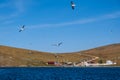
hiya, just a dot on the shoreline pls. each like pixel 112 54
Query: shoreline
pixel 65 67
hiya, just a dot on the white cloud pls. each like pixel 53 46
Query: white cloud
pixel 83 21
pixel 112 15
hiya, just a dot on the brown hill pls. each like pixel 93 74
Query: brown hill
pixel 109 52
pixel 10 56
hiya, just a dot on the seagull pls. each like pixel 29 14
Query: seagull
pixel 72 5
pixel 57 44
pixel 22 28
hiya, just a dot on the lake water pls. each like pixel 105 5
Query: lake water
pixel 60 73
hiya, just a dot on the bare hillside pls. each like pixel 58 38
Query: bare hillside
pixel 10 56
pixel 108 52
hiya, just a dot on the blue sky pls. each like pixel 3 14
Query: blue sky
pixel 91 24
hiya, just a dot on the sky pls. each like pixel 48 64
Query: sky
pixel 91 24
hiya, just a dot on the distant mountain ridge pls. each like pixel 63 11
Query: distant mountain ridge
pixel 11 56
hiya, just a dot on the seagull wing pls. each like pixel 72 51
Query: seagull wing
pixel 20 30
pixel 23 26
pixel 73 7
pixel 59 44
pixel 71 2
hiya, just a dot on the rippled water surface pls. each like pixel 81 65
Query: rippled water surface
pixel 60 73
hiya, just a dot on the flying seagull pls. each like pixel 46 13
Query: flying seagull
pixel 57 44
pixel 72 5
pixel 22 28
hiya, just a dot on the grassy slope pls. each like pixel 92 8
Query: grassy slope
pixel 10 56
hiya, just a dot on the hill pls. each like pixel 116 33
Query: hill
pixel 11 56
pixel 108 52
